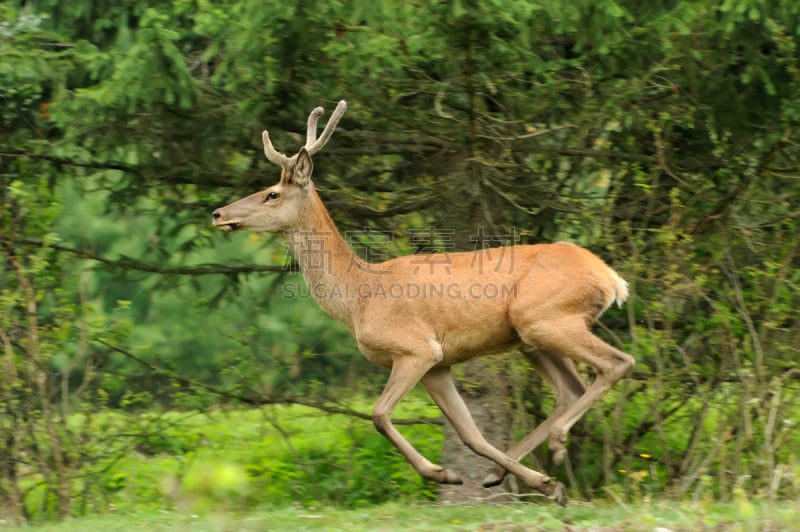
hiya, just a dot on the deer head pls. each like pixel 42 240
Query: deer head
pixel 283 206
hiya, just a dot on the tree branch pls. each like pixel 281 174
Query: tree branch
pixel 69 162
pixel 199 269
pixel 263 400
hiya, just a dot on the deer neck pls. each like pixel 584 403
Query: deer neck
pixel 329 266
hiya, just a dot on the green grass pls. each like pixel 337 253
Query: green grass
pixel 292 468
pixel 742 515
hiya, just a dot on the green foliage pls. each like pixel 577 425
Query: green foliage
pixel 279 456
pixel 663 135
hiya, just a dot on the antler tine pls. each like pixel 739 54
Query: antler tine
pixel 274 155
pixel 329 127
pixel 311 129
pixel 313 144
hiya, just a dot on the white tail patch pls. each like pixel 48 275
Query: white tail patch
pixel 619 290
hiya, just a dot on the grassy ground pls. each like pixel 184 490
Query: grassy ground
pixel 600 517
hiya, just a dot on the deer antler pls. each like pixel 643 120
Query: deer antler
pixel 329 127
pixel 311 128
pixel 313 144
pixel 274 155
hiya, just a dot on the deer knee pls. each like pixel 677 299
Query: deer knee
pixel 381 419
pixel 616 366
pixel 625 362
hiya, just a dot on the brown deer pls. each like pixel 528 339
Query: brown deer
pixel 418 317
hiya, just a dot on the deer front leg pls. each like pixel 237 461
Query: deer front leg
pixel 406 372
pixel 439 383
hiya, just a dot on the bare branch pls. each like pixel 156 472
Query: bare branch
pixel 107 165
pixel 130 264
pixel 263 400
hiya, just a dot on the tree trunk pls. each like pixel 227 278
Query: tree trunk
pixel 484 385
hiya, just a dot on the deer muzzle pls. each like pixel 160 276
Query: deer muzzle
pixel 222 222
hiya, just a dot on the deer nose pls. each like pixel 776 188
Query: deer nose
pixel 216 215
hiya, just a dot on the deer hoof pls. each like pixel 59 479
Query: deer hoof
pixel 559 456
pixel 444 476
pixel 553 488
pixel 493 479
pixel 560 494
pixel 452 478
pixel 557 446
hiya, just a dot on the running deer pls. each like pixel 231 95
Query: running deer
pixel 417 318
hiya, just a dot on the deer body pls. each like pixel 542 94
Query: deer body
pixel 418 315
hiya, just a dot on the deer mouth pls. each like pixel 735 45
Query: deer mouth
pixel 227 227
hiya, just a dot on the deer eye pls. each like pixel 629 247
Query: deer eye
pixel 271 196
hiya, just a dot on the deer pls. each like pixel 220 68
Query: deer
pixel 419 318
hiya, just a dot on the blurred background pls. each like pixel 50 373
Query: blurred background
pixel 150 361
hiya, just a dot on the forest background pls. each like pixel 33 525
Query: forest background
pixel 151 360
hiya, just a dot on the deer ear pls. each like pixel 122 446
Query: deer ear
pixel 301 171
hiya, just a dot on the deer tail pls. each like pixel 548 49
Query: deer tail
pixel 619 289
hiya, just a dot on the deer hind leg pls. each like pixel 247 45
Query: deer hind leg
pixel 570 337
pixel 563 378
pixel 406 372
pixel 439 383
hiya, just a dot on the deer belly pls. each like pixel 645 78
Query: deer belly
pixel 461 344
